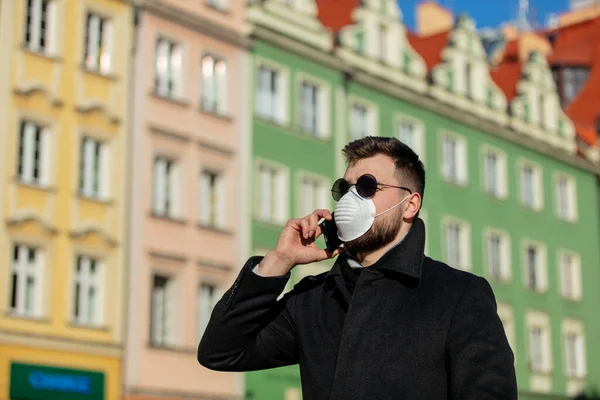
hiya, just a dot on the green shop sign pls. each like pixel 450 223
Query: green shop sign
pixel 37 382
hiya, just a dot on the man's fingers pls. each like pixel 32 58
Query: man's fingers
pixel 324 254
pixel 322 213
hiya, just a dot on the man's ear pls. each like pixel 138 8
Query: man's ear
pixel 413 206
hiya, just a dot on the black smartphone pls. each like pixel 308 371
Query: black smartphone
pixel 332 242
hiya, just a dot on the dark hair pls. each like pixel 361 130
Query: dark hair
pixel 410 170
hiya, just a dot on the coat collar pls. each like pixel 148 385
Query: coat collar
pixel 404 259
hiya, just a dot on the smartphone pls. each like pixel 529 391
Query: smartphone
pixel 330 234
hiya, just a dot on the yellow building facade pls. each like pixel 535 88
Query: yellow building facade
pixel 63 128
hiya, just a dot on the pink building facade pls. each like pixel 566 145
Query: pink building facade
pixel 186 235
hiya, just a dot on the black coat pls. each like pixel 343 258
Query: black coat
pixel 411 328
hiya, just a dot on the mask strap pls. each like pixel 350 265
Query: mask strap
pixel 391 208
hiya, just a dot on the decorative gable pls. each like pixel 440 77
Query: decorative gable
pixel 536 108
pixel 376 43
pixel 463 77
pixel 296 19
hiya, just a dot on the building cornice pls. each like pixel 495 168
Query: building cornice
pixel 419 99
pixel 195 22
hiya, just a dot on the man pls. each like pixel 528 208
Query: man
pixel 386 322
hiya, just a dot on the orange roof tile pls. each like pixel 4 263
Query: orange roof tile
pixel 429 47
pixel 335 14
pixel 574 44
pixel 508 72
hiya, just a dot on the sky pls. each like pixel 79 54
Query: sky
pixel 488 13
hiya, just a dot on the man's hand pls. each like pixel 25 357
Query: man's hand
pixel 296 245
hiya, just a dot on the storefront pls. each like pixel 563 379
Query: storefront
pixel 44 382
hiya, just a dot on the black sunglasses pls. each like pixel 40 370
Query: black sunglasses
pixel 366 186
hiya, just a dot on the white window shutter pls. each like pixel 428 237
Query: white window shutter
pixel 204 199
pixel 222 89
pixel 159 186
pixel 46 157
pixel 171 313
pixel 581 357
pixel 157 313
pixel 221 199
pixel 563 275
pixel 281 97
pixel 208 82
pixel 538 190
pixel 261 91
pixel 266 196
pixel 502 178
pixel 572 200
pixel 39 283
pixel 36 25
pixel 28 152
pixel 283 195
pixel 176 198
pixel 107 47
pixel 323 196
pixel 324 112
pixel 88 166
pixel 543 268
pixel 105 168
pixel 162 66
pixel 51 27
pixel 92 42
pixel 461 161
pixel 177 70
pixel 576 278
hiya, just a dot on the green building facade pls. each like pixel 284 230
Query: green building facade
pixel 506 195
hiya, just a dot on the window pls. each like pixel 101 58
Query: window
pixel 93 174
pixel 573 79
pixel 531 186
pixel 40 25
pixel 570 276
pixel 457 246
pixel 535 269
pixel 26 284
pixel 566 198
pixel 314 195
pixel 98 43
pixel 538 342
pixel 161 319
pixel 214 85
pixel 314 109
pixel 498 256
pixel 212 199
pixel 410 133
pixel 361 122
pixel 34 154
pixel 272 194
pixel 88 292
pixel 169 69
pixel 207 299
pixel 538 349
pixel 454 159
pixel 165 185
pixel 574 349
pixel 270 92
pixel 494 169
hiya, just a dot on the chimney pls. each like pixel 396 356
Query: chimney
pixel 432 18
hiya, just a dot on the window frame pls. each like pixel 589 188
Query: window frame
pixel 467 247
pixel 419 132
pixel 462 168
pixel 283 173
pixel 502 191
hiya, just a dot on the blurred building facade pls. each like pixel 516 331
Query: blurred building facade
pixel 189 119
pixel 507 169
pixel 63 197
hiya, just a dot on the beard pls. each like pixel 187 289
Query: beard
pixel 382 233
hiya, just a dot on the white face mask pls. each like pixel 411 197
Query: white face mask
pixel 354 215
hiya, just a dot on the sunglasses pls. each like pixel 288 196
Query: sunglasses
pixel 366 186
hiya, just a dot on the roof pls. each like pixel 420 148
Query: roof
pixel 508 72
pixel 578 45
pixel 584 110
pixel 335 14
pixel 574 44
pixel 429 47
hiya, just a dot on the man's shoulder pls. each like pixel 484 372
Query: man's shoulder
pixel 310 283
pixel 438 271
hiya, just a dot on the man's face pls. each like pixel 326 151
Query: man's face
pixel 386 226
